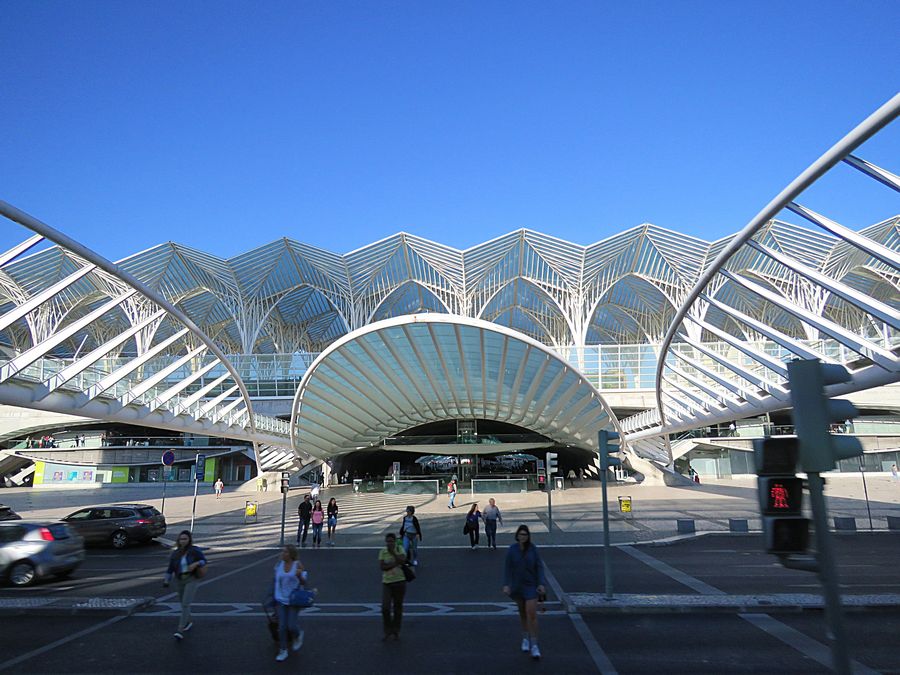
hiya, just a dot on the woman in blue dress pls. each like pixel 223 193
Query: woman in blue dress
pixel 524 582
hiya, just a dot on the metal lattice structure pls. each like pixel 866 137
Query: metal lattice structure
pixel 831 294
pixel 198 391
pixel 404 372
pixel 723 315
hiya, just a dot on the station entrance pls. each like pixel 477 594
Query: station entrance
pixel 477 453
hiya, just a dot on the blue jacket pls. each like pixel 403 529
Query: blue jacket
pixel 523 569
pixel 193 555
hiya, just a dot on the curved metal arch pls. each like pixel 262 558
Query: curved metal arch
pixel 732 286
pixel 97 261
pixel 389 405
pixel 402 286
pixel 609 289
pixel 886 369
pixel 531 283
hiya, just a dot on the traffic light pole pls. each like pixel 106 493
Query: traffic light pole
pixel 549 508
pixel 828 576
pixel 607 563
pixel 283 514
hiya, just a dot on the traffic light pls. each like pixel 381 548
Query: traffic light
pixel 814 414
pixel 608 444
pixel 551 464
pixel 285 482
pixel 781 495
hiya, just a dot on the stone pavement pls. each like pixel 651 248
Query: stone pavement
pixel 364 518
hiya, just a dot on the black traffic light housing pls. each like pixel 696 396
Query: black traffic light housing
pixel 781 495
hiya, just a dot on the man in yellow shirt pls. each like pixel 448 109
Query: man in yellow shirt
pixel 393 585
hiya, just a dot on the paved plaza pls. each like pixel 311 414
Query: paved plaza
pixel 713 603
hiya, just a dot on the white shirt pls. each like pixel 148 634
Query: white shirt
pixel 285 582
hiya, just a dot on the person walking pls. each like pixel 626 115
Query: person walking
pixel 305 513
pixel 314 491
pixel 472 526
pixel 218 486
pixel 451 491
pixel 491 517
pixel 187 565
pixel 524 582
pixel 411 535
pixel 318 518
pixel 894 475
pixel 289 575
pixel 331 513
pixel 393 586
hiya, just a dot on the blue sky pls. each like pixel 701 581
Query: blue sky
pixel 226 125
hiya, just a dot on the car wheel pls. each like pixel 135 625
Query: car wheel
pixel 21 573
pixel 119 539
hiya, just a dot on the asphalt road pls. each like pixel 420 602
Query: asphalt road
pixel 457 620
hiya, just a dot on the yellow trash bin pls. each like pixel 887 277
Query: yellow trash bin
pixel 250 510
pixel 625 504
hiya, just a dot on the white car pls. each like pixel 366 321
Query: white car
pixel 33 550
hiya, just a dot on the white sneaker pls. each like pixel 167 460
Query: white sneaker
pixel 282 655
pixel 298 642
pixel 526 644
pixel 535 652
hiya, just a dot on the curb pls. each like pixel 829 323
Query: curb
pixel 596 603
pixel 54 606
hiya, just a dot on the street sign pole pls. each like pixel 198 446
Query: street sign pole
pixel 168 459
pixel 163 507
pixel 199 467
pixel 194 506
pixel 285 487
pixel 607 567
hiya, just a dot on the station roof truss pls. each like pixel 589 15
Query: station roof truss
pixel 407 371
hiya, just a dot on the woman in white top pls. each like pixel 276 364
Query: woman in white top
pixel 289 575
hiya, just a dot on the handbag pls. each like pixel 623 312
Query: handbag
pixel 302 597
pixel 466 528
pixel 408 572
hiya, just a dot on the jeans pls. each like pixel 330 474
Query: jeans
pixel 287 623
pixel 187 587
pixel 473 535
pixel 392 595
pixel 411 546
pixel 302 529
pixel 317 533
pixel 452 499
pixel 490 529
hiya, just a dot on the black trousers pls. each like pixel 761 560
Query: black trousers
pixel 473 536
pixel 392 598
pixel 302 530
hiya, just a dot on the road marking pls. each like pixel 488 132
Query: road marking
pixel 113 620
pixel 599 657
pixel 59 643
pixel 800 641
pixel 790 636
pixel 681 577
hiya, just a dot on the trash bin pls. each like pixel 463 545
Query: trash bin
pixel 625 504
pixel 250 511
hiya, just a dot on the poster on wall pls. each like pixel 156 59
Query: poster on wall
pixel 87 476
pixel 57 475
